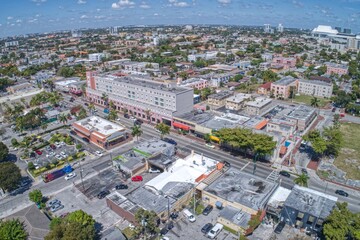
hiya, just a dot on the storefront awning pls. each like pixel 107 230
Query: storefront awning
pixel 181 126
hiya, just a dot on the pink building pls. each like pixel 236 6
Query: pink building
pixel 284 62
pixel 281 88
pixel 334 68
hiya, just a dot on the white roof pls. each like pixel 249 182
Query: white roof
pixel 100 125
pixel 279 196
pixel 325 29
pixel 184 170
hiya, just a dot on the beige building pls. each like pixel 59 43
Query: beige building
pixel 283 126
pixel 257 106
pixel 237 101
pixel 302 116
pixel 282 87
pixel 219 99
pixel 315 88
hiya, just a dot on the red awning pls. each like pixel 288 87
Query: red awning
pixel 182 126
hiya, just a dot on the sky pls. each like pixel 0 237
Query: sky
pixel 38 16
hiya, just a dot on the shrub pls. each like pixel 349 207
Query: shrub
pixel 70 158
pixel 31 166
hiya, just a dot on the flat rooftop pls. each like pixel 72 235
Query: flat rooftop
pixel 238 98
pixel 259 102
pixel 236 216
pixel 218 123
pixel 131 159
pixel 336 65
pixel 123 202
pixel 301 112
pixel 197 117
pixel 315 82
pixel 154 146
pixel 220 95
pixel 285 81
pixel 143 82
pixel 310 201
pixel 101 125
pixel 243 188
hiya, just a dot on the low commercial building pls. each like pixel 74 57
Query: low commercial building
pixel 315 88
pixel 197 83
pixel 307 209
pixel 237 101
pixel 19 88
pixel 70 85
pixel 282 87
pixel 101 132
pixel 257 106
pixel 219 99
pixel 281 125
pixel 302 116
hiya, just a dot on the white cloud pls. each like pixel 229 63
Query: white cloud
pixel 0 24
pixel 32 20
pixel 19 21
pixel 224 2
pixel 84 16
pixel 99 17
pixel 176 3
pixel 144 5
pixel 123 4
pixel 81 2
pixel 9 17
pixel 38 1
pixel 156 14
pixel 37 15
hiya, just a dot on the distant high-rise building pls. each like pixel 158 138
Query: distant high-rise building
pixel 156 41
pixel 347 30
pixel 267 28
pixel 280 28
pixel 188 27
pixel 113 30
pixel 76 34
pixel 338 29
pixel 12 44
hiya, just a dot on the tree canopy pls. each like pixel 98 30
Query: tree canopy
pixel 35 196
pixel 163 129
pixel 4 151
pixel 9 176
pixel 146 222
pixel 246 141
pixel 12 230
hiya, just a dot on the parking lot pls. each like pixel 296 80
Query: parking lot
pixel 107 180
pixel 49 155
pixel 183 229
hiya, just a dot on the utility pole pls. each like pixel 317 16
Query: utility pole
pixel 254 161
pixel 81 176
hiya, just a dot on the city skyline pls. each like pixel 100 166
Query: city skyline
pixel 38 16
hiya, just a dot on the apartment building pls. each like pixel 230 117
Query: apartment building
pixel 219 99
pixel 334 68
pixel 237 101
pixel 96 57
pixel 198 83
pixel 143 98
pixel 284 62
pixel 281 88
pixel 315 88
pixel 257 106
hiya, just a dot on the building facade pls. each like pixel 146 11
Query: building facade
pixel 282 87
pixel 142 98
pixel 257 106
pixel 315 88
pixel 334 68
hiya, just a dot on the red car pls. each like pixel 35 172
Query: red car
pixel 38 152
pixel 136 178
pixel 53 146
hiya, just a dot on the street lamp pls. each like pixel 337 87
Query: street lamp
pixel 254 161
pixel 81 176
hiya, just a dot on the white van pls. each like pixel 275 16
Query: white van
pixel 189 215
pixel 215 230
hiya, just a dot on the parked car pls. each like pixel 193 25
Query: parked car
pixel 164 231
pixel 53 202
pixel 207 210
pixel 174 215
pixel 32 155
pixel 62 153
pixel 279 227
pixel 98 153
pixel 206 228
pixel 138 122
pixel 86 104
pixel 284 173
pixel 334 109
pixel 103 194
pixel 126 116
pixel 304 171
pixel 70 176
pixel 215 230
pixel 137 178
pixel 209 145
pixel 121 186
pixel 53 147
pixel 58 157
pixel 169 140
pixel 227 164
pixel 62 143
pixel 56 207
pixel 57 144
pixel 342 193
pixel 170 225
pixel 133 118
pixel 38 152
pixel 48 148
pixel 189 215
pixel 154 170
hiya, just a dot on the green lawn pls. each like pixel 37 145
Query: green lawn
pixel 307 100
pixel 349 157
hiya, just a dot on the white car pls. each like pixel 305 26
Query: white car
pixel 98 153
pixel 59 157
pixel 215 230
pixel 63 154
pixel 133 118
pixel 70 176
pixel 210 145
pixel 62 143
pixel 154 170
pixel 57 144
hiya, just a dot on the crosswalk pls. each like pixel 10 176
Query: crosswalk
pixel 273 176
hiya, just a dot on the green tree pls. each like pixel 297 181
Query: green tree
pixel 342 224
pixel 302 180
pixel 82 114
pixel 146 222
pixel 315 102
pixel 12 230
pixel 35 196
pixel 4 151
pixel 91 108
pixel 62 118
pixel 112 115
pixel 205 92
pixel 105 98
pixel 14 142
pixel 31 166
pixel 163 129
pixel 55 98
pixel 9 176
pixel 136 132
pixel 44 126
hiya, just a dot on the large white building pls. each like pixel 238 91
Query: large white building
pixel 315 88
pixel 143 98
pixel 96 57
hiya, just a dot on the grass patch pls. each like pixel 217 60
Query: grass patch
pixel 129 233
pixel 323 174
pixel 199 209
pixel 226 228
pixel 349 156
pixel 141 152
pixel 307 100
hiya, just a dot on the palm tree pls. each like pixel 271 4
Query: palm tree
pixel 163 129
pixel 302 180
pixel 112 105
pixel 136 132
pixel 91 108
pixel 23 101
pixel 82 114
pixel 315 102
pixel 50 84
pixel 62 118
pixel 44 126
pixel 55 98
pixel 112 115
pixel 148 114
pixel 105 98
